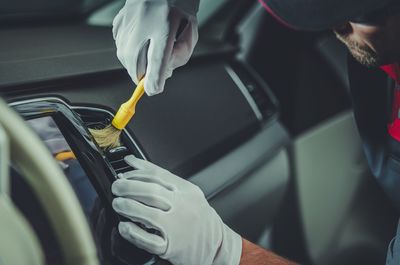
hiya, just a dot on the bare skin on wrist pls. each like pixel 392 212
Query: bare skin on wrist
pixel 253 254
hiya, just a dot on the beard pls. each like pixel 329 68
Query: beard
pixel 363 54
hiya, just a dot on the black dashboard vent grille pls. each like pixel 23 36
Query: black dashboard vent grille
pixel 95 118
pixel 116 158
pixel 258 90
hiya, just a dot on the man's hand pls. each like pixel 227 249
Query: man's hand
pixel 153 37
pixel 191 232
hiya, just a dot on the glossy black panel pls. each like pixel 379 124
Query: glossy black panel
pixel 112 249
pixel 54 140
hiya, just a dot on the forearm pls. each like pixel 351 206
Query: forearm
pixel 253 254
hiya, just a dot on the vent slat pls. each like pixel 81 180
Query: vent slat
pixel 116 158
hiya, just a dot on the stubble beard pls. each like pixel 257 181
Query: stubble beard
pixel 363 54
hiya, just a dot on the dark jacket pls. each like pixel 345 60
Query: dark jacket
pixel 372 93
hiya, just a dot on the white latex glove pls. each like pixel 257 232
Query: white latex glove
pixel 191 232
pixel 145 33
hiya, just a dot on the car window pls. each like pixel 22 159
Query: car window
pixel 105 15
pixel 103 11
pixel 20 10
pixel 208 8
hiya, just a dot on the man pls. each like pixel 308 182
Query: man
pixel 191 232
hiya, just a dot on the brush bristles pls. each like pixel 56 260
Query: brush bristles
pixel 108 137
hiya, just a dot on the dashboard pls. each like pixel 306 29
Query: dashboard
pixel 216 125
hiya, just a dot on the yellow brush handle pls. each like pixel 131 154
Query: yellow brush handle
pixel 127 110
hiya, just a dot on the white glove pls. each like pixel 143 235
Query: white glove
pixel 145 33
pixel 191 232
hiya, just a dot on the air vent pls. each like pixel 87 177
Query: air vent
pixel 98 118
pixel 257 89
pixel 116 158
pixel 260 98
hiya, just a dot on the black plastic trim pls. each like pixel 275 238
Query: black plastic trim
pixel 114 249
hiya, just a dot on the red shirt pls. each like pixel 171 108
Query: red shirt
pixel 393 70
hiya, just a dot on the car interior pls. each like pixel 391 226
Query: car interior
pixel 260 119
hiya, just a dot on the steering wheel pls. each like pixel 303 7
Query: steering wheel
pixel 50 186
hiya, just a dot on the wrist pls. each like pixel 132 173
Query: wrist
pixel 253 254
pixel 230 250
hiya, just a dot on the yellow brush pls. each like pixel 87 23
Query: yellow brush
pixel 109 136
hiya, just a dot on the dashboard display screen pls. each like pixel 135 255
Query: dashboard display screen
pixel 48 131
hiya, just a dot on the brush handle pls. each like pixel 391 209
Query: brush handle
pixel 127 110
pixel 137 94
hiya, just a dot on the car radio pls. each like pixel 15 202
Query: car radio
pixel 90 171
